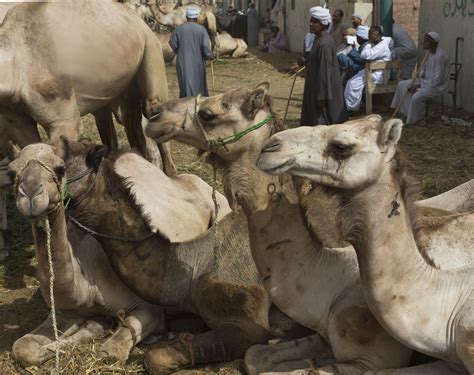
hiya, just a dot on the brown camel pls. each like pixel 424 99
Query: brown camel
pixel 317 286
pixel 212 276
pixel 86 288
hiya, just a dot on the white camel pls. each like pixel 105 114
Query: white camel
pixel 428 308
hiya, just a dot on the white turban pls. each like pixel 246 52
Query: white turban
pixel 192 12
pixel 363 32
pixel 321 14
pixel 434 36
pixel 357 15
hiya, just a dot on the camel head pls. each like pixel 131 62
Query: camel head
pixel 347 156
pixel 38 171
pixel 196 121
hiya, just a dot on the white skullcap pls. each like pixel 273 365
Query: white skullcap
pixel 434 36
pixel 363 32
pixel 321 14
pixel 357 15
pixel 192 12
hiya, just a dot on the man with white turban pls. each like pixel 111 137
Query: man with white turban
pixel 377 49
pixel 323 101
pixel 433 81
pixel 191 44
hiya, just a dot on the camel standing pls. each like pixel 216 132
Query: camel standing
pixel 212 276
pixel 86 288
pixel 427 308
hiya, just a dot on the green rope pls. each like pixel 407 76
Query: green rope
pixel 235 137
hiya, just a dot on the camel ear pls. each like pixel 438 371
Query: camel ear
pixel 96 155
pixel 62 148
pixel 264 86
pixel 373 118
pixel 254 102
pixel 13 150
pixel 390 133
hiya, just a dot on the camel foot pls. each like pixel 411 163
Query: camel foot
pixel 171 355
pixel 118 346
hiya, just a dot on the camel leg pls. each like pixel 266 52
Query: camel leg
pixel 263 358
pixel 105 125
pixel 138 325
pixel 22 130
pixel 169 167
pixel 32 348
pixel 239 51
pixel 3 223
pixel 225 343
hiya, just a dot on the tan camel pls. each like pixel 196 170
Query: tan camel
pixel 86 288
pixel 177 16
pixel 55 68
pixel 212 276
pixel 316 286
pixel 427 308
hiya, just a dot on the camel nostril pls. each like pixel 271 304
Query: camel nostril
pixel 271 147
pixel 29 193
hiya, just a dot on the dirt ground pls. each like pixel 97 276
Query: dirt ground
pixel 443 156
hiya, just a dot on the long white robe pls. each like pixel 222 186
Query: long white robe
pixel 355 86
pixel 434 79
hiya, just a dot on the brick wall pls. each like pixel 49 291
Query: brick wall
pixel 406 13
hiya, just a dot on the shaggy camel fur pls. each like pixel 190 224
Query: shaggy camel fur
pixel 297 271
pixel 86 288
pixel 427 308
pixel 212 276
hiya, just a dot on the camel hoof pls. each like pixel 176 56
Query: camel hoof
pixel 170 356
pixel 114 350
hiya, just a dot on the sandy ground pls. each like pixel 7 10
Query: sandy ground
pixel 443 157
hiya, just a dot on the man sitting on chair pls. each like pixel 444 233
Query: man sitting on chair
pixel 377 49
pixel 433 81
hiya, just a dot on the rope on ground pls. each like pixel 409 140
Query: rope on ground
pixel 412 82
pixel 47 229
pixel 291 92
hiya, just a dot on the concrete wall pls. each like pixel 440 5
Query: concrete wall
pixel 452 19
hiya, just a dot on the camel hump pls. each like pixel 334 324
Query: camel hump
pixel 170 206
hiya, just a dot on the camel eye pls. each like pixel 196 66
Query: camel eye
pixel 340 150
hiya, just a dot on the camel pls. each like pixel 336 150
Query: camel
pixel 212 276
pixel 177 16
pixel 297 271
pixel 86 288
pixel 427 308
pixel 52 76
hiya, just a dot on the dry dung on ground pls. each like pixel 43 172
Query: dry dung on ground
pixel 443 157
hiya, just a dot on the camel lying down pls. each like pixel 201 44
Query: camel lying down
pixel 414 293
pixel 86 288
pixel 315 285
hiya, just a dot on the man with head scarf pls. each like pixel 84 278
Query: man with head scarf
pixel 323 101
pixel 433 81
pixel 378 48
pixel 351 63
pixel 191 44
pixel 356 20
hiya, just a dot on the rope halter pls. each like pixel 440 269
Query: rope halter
pixel 212 144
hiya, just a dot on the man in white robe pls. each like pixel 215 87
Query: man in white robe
pixel 377 49
pixel 433 81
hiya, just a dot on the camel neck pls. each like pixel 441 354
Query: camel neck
pixel 397 279
pixel 60 249
pixel 295 270
pixel 7 72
